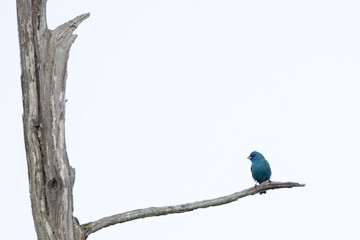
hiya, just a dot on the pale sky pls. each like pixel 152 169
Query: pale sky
pixel 166 100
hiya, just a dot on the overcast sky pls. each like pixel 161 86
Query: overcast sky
pixel 166 100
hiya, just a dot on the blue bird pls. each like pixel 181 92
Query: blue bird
pixel 260 168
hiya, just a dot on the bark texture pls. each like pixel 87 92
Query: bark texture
pixel 44 55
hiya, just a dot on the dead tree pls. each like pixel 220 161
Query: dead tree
pixel 44 55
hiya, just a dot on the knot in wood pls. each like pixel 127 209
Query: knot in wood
pixel 52 184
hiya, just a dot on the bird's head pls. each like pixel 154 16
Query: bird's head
pixel 255 155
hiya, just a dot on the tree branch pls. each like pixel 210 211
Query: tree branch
pixel 65 30
pixel 158 211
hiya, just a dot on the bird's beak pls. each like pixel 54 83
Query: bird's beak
pixel 249 158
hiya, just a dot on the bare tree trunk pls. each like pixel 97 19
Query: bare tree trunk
pixel 44 56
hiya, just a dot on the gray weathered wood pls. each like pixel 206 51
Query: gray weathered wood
pixel 44 55
pixel 158 211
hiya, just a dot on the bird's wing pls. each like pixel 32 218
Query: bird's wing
pixel 268 169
